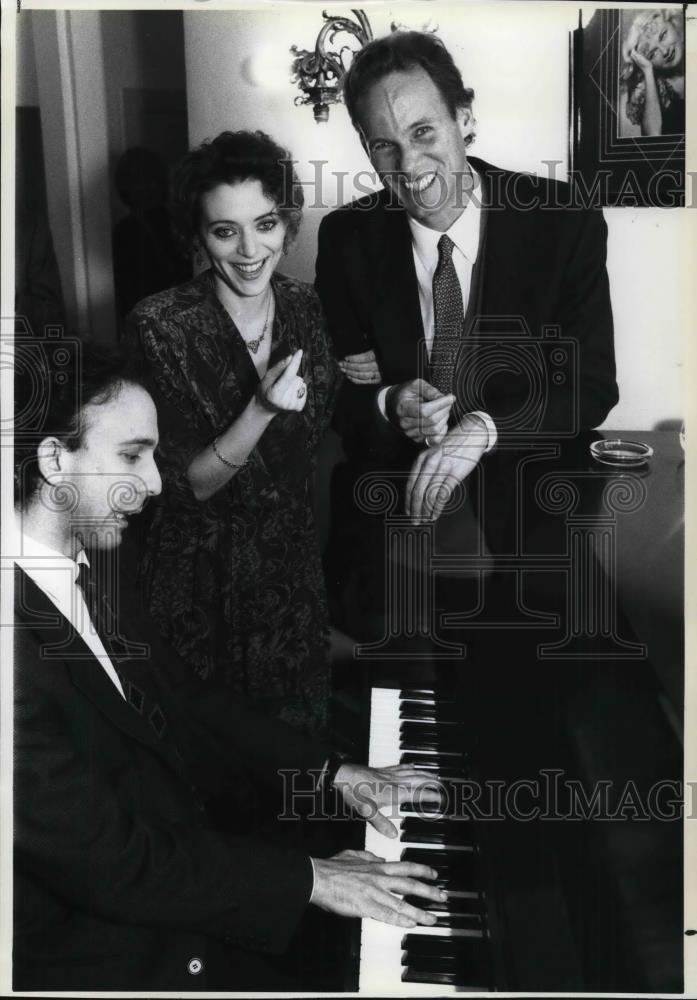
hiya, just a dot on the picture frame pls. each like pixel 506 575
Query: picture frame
pixel 627 108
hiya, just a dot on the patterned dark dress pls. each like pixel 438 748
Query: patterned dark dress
pixel 235 582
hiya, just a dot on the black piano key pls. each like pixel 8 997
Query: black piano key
pixel 422 729
pixel 424 963
pixel 436 831
pixel 422 808
pixel 470 908
pixel 443 979
pixel 435 745
pixel 464 960
pixel 425 694
pixel 432 713
pixel 428 718
pixel 451 760
pixel 439 858
pixel 454 875
pixel 472 951
pixel 460 921
pixel 449 803
pixel 475 921
pixel 432 944
pixel 453 962
pixel 422 736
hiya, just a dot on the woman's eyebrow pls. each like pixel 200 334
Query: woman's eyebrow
pixel 231 222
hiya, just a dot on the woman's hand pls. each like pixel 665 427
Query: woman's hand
pixel 640 60
pixel 282 389
pixel 362 369
pixel 652 116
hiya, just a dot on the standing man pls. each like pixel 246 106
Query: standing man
pixel 121 879
pixel 446 281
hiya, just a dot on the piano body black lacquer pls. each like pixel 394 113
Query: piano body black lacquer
pixel 570 674
pixel 547 907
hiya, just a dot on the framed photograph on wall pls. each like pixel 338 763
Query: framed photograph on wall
pixel 627 107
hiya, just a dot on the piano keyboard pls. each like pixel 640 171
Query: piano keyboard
pixel 416 727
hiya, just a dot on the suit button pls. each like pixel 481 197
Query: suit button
pixel 195 966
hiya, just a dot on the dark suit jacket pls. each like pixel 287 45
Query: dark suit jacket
pixel 120 881
pixel 541 266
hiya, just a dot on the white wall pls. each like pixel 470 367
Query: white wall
pixel 516 58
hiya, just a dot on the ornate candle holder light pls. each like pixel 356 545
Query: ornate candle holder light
pixel 319 74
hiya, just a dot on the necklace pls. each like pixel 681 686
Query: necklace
pixel 254 345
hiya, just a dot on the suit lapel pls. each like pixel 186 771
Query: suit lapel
pixel 61 645
pixel 506 280
pixel 398 326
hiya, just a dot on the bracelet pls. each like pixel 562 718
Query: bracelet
pixel 230 465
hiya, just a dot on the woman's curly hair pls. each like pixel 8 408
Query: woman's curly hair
pixel 230 158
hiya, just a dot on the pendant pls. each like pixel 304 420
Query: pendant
pixel 253 345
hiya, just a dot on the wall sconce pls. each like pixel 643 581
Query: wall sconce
pixel 319 74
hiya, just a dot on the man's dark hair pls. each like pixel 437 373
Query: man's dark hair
pixel 397 53
pixel 230 158
pixel 50 399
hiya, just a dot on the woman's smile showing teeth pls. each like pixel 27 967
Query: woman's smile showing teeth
pixel 249 271
pixel 243 233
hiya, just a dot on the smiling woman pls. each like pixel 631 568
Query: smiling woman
pixel 238 364
pixel 653 72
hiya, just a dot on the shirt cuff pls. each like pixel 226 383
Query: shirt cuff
pixel 484 417
pixel 382 396
pixel 490 427
pixel 312 891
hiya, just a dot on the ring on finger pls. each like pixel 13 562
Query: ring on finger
pixel 301 391
pixel 427 442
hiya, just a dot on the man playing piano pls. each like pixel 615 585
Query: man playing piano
pixel 121 881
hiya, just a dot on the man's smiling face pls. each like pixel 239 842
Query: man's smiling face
pixel 416 145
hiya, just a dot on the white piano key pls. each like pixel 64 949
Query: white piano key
pixel 380 968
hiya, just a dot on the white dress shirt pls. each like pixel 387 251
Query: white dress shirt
pixel 465 234
pixel 56 575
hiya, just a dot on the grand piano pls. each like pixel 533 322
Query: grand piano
pixel 555 734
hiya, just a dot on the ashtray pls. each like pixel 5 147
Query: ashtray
pixel 621 454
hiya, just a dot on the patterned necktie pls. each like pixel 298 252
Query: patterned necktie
pixel 448 317
pixel 104 621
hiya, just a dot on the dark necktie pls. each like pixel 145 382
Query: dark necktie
pixel 139 693
pixel 448 315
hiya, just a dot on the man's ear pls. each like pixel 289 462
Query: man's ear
pixel 467 124
pixel 49 456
